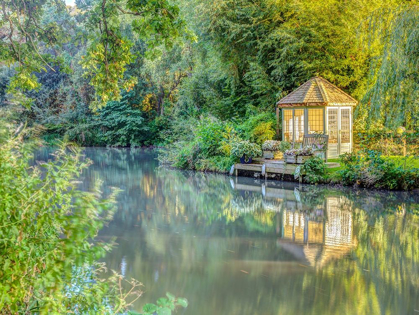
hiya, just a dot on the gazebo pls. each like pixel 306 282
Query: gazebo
pixel 318 107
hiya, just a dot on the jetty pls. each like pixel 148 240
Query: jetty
pixel 269 167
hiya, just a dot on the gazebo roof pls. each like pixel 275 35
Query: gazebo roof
pixel 317 92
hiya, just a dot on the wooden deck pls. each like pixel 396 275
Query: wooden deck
pixel 266 167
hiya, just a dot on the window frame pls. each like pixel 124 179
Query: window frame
pixel 305 108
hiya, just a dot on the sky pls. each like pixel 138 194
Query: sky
pixel 69 2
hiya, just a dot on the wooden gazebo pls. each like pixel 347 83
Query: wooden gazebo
pixel 318 107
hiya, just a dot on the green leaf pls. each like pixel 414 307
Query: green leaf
pixel 182 302
pixel 170 296
pixel 150 308
pixel 162 302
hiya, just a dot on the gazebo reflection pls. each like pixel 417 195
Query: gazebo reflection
pixel 314 228
pixel 318 241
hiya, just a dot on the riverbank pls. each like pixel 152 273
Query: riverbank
pixel 366 169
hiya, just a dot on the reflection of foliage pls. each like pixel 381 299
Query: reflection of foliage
pixel 176 223
pixel 246 203
pixel 260 221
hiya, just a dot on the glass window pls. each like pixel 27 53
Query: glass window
pixel 299 125
pixel 333 125
pixel 287 124
pixel 345 125
pixel 315 120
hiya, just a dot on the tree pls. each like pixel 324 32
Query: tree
pixel 108 53
pixel 392 94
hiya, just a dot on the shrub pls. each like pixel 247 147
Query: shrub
pixel 206 148
pixel 215 164
pixel 263 131
pixel 314 171
pixel 370 169
pixel 258 128
pixel 47 256
pixel 245 147
pixel 121 123
pixel 284 146
pixel 209 135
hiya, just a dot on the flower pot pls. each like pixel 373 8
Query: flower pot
pixel 245 160
pixel 290 159
pixel 268 154
pixel 302 159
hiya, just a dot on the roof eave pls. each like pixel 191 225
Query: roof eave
pixel 301 104
pixel 281 105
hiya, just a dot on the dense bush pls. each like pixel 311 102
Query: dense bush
pixel 313 171
pixel 371 170
pixel 258 128
pixel 206 147
pixel 121 124
pixel 245 148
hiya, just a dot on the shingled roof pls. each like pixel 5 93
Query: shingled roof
pixel 317 92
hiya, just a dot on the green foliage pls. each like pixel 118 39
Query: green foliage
pixel 47 254
pixel 285 145
pixel 206 147
pixel 245 148
pixel 109 52
pixel 246 54
pixel 25 41
pixel 258 128
pixel 163 306
pixel 392 92
pixel 314 171
pixel 210 134
pixel 388 141
pixel 371 170
pixel 121 123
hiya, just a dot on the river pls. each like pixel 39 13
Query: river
pixel 249 247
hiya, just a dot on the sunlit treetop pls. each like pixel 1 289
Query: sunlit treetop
pixel 26 37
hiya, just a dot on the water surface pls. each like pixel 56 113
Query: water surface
pixel 249 247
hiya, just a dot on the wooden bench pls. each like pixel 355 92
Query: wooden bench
pixel 317 140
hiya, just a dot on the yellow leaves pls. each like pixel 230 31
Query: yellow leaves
pixel 148 102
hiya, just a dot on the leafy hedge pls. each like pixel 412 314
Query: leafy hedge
pixel 371 170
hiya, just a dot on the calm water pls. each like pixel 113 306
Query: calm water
pixel 243 247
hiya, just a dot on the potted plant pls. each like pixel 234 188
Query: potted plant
pixel 290 156
pixel 245 151
pixel 270 148
pixel 298 156
pixel 304 154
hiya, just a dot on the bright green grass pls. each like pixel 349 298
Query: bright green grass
pixel 410 162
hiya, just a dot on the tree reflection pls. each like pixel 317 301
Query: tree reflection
pixel 243 247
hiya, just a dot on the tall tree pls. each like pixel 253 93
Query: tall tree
pixel 109 52
pixel 392 96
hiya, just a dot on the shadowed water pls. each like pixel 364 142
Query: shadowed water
pixel 248 247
